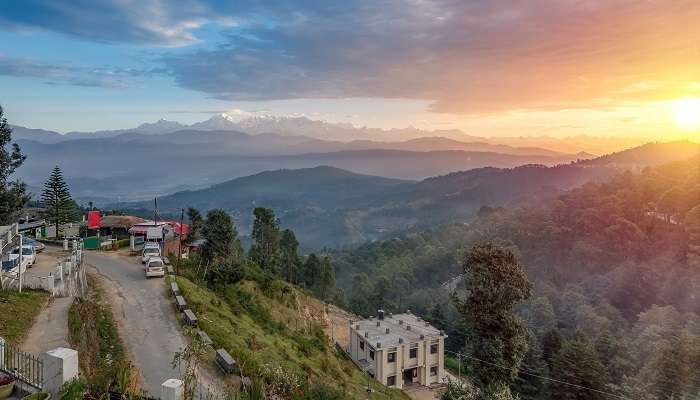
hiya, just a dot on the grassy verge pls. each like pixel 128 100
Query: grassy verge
pixel 27 304
pixel 104 363
pixel 275 344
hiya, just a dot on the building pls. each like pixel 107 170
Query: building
pixel 398 350
pixel 118 225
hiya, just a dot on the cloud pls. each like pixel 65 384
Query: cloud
pixel 144 22
pixel 462 56
pixel 105 76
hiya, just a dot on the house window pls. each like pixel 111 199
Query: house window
pixel 371 354
pixel 391 380
pixel 362 344
pixel 413 353
pixel 433 370
pixel 391 357
pixel 433 348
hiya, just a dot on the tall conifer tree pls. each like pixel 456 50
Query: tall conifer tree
pixel 60 207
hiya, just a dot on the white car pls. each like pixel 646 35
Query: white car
pixel 28 255
pixel 155 267
pixel 149 252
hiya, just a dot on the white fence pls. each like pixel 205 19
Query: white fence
pixel 67 280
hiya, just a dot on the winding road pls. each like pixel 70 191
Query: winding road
pixel 147 321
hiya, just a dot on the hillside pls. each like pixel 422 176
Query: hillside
pixel 649 154
pixel 280 338
pixel 615 265
pixel 138 166
pixel 330 207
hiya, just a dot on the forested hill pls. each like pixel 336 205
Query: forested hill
pixel 616 268
pixel 331 207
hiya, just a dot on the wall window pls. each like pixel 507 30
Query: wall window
pixel 413 353
pixel 433 370
pixel 434 348
pixel 371 354
pixel 362 344
pixel 391 380
pixel 391 357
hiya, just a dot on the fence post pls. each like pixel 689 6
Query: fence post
pixel 172 389
pixel 51 284
pixel 2 353
pixel 60 366
pixel 60 268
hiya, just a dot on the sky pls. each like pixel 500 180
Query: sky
pixel 490 68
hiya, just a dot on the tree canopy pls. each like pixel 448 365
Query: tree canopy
pixel 56 198
pixel 13 194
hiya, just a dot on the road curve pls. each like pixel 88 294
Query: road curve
pixel 147 321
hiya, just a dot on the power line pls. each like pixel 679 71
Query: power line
pixel 544 377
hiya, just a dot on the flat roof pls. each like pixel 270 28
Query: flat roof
pixel 397 325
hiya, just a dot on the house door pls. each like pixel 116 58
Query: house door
pixel 409 376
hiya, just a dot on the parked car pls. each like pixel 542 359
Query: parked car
pixel 28 255
pixel 38 246
pixel 155 267
pixel 149 252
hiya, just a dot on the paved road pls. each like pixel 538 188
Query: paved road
pixel 147 321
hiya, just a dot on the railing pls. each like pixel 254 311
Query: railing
pixel 25 367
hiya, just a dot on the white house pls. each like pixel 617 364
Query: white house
pixel 398 350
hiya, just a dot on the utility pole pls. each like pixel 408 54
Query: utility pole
pixel 20 263
pixel 179 247
pixel 459 367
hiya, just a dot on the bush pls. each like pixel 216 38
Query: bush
pixel 321 392
pixel 121 243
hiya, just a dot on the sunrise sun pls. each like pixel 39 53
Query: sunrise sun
pixel 686 113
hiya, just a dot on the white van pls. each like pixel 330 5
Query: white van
pixel 155 267
pixel 148 252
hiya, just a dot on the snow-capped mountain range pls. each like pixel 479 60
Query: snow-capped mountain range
pixel 302 127
pixel 251 124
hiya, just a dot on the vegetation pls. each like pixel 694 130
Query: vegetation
pixel 104 364
pixel 278 341
pixel 221 237
pixel 60 207
pixel 497 339
pixel 196 224
pixel 616 273
pixel 13 194
pixel 29 304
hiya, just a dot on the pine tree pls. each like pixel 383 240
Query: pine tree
pixel 266 240
pixel 13 195
pixel 437 317
pixel 60 207
pixel 676 375
pixel 196 224
pixel 551 343
pixel 326 279
pixel 577 363
pixel 289 257
pixel 221 237
pixel 311 271
pixel 495 282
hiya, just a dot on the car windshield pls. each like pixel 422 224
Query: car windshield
pixel 155 264
pixel 27 252
pixel 151 251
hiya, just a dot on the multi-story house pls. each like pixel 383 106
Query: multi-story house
pixel 398 350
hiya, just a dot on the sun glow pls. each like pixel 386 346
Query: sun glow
pixel 686 114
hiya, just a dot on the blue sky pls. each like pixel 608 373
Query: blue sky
pixel 501 67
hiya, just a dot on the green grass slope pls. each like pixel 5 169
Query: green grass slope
pixel 275 335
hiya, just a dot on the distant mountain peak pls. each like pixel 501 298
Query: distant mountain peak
pixel 159 127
